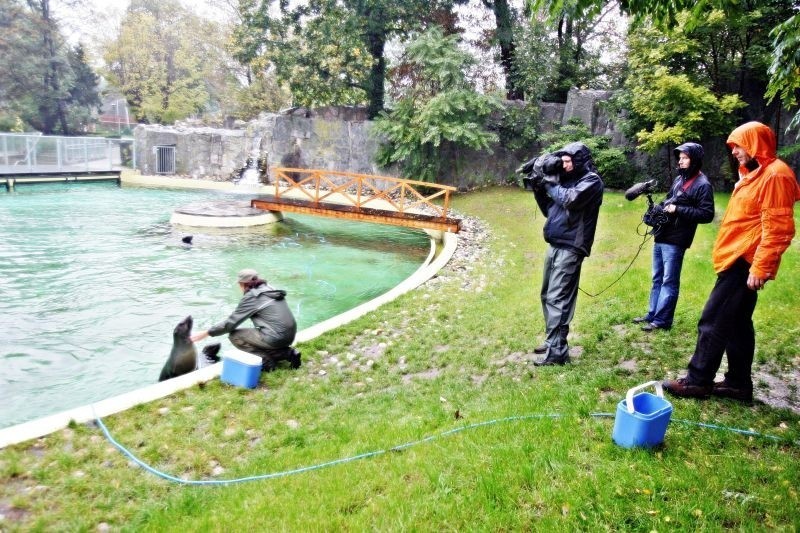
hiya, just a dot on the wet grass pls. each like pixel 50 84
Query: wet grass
pixel 452 355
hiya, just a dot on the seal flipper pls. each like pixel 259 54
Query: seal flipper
pixel 211 353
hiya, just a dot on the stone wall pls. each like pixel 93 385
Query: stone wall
pixel 340 138
pixel 333 138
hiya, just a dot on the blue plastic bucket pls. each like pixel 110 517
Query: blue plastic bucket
pixel 241 369
pixel 642 419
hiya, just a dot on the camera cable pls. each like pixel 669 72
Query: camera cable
pixel 646 237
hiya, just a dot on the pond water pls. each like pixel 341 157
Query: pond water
pixel 93 279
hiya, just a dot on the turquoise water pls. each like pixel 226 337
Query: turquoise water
pixel 94 278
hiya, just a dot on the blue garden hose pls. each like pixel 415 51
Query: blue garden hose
pixel 400 447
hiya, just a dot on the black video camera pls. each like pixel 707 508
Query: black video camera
pixel 655 216
pixel 537 168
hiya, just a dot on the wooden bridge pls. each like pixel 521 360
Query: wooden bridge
pixel 346 195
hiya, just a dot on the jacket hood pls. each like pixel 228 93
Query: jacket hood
pixel 272 292
pixel 757 139
pixel 581 158
pixel 695 153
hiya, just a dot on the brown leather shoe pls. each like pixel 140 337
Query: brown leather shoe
pixel 681 387
pixel 542 348
pixel 724 390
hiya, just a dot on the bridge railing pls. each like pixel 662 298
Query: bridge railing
pixel 363 190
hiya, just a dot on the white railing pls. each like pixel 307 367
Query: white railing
pixel 36 153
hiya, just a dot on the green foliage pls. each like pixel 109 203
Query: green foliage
pixel 534 64
pixel 439 108
pixel 678 110
pixel 163 60
pixel 576 38
pixel 784 70
pixel 518 127
pixel 264 93
pixel 46 85
pixel 756 20
pixel 675 90
pixel 329 52
pixel 612 163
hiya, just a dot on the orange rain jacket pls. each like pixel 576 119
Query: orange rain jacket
pixel 758 224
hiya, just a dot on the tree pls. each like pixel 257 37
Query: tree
pixel 677 92
pixel 21 64
pixel 785 32
pixel 438 108
pixel 784 70
pixel 505 35
pixel 162 60
pixel 331 51
pixel 577 63
pixel 84 96
pixel 46 85
pixel 675 110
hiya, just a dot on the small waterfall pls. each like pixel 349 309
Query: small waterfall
pixel 250 174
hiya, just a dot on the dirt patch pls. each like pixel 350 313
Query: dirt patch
pixel 779 390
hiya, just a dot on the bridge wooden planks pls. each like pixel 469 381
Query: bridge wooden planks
pixel 350 212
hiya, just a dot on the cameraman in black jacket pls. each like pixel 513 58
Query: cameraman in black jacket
pixel 690 202
pixel 569 195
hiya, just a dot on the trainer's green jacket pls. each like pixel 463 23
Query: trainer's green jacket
pixel 270 313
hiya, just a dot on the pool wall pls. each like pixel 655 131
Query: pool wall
pixel 437 258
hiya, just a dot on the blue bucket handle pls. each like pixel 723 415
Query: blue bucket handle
pixel 629 396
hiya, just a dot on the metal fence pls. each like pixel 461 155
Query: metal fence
pixel 27 153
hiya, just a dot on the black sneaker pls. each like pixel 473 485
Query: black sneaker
pixel 724 389
pixel 542 348
pixel 640 319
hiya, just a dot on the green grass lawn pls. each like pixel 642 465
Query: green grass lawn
pixel 451 355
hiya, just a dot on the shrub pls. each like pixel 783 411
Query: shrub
pixel 612 162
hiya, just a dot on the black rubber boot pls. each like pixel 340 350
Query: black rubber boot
pixel 294 359
pixel 548 361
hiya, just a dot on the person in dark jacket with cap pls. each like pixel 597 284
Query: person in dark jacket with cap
pixel 690 202
pixel 571 202
pixel 275 326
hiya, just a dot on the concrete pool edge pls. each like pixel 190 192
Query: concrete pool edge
pixel 82 414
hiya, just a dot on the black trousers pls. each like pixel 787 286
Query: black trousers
pixel 251 340
pixel 726 327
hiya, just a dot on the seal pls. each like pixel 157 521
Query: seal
pixel 183 357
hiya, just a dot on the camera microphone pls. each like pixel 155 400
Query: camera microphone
pixel 640 188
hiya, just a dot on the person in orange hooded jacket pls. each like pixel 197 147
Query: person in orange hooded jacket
pixel 756 229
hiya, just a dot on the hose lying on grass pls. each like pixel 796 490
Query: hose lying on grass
pixel 400 447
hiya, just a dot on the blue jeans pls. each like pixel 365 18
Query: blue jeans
pixel 667 263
